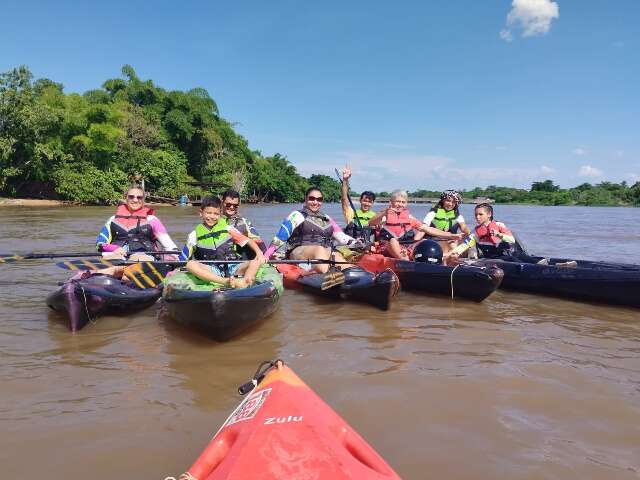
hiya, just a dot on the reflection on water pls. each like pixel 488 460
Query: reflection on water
pixel 517 386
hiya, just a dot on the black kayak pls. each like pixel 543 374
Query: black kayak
pixel 218 312
pixel 613 283
pixel 470 281
pixel 359 285
pixel 87 295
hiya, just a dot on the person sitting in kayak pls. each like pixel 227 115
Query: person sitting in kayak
pixel 355 221
pixel 309 233
pixel 446 216
pixel 214 239
pixel 231 212
pixel 492 238
pixel 134 228
pixel 398 226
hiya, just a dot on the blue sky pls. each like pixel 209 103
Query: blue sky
pixel 413 94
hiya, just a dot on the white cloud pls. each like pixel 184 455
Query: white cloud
pixel 547 170
pixel 633 178
pixel 589 171
pixel 579 151
pixel 533 17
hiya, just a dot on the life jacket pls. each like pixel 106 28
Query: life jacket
pixel 361 230
pixel 397 225
pixel 215 243
pixel 445 220
pixel 315 230
pixel 132 229
pixel 244 227
pixel 491 246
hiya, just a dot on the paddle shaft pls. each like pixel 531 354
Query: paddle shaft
pixel 231 262
pixel 32 256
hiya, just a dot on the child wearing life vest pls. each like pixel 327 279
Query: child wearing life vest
pixel 446 216
pixel 214 239
pixel 396 224
pixel 358 220
pixel 490 237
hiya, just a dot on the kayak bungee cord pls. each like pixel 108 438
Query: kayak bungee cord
pixel 454 269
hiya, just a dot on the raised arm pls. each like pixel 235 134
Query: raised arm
pixel 347 211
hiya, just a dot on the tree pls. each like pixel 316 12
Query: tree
pixel 546 186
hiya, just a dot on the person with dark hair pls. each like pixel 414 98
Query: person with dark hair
pixel 492 238
pixel 215 239
pixel 358 219
pixel 446 216
pixel 134 228
pixel 309 233
pixel 231 211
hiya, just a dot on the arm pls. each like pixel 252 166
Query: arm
pixel 379 218
pixel 468 242
pixel 288 225
pixel 504 233
pixel 161 236
pixel 103 242
pixel 347 211
pixel 338 235
pixel 463 226
pixel 189 247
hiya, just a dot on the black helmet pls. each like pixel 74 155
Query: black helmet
pixel 428 251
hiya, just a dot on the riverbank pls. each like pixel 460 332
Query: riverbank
pixel 31 202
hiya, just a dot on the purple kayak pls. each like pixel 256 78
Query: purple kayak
pixel 87 295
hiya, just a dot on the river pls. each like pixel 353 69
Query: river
pixel 519 386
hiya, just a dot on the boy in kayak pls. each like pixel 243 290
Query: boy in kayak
pixel 492 238
pixel 214 239
pixel 446 216
pixel 398 226
pixel 231 212
pixel 355 221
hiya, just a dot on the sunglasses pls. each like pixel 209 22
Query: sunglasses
pixel 135 197
pixel 311 198
pixel 231 205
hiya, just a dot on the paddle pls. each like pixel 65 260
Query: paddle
pixel 13 257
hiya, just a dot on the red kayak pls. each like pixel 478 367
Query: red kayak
pixel 283 430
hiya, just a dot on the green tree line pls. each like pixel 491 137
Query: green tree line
pixel 547 193
pixel 87 147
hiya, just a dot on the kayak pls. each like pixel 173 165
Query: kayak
pixel 603 282
pixel 87 295
pixel 374 289
pixel 283 430
pixel 221 312
pixel 467 280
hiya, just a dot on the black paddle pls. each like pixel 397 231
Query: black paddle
pixel 14 257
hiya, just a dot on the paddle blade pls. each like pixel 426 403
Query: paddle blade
pixel 332 279
pixel 147 274
pixel 88 264
pixel 9 257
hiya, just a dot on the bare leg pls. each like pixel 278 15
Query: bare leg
pixel 395 250
pixel 318 252
pixel 203 272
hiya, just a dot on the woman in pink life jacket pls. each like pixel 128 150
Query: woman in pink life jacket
pixel 134 228
pixel 397 224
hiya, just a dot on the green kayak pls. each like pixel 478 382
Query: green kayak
pixel 218 311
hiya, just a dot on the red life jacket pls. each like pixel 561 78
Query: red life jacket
pixel 133 229
pixel 484 235
pixel 398 224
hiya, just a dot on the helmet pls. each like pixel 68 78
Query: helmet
pixel 428 251
pixel 451 194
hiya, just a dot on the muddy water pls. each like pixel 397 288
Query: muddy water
pixel 518 387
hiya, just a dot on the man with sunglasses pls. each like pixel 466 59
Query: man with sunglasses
pixel 134 228
pixel 231 212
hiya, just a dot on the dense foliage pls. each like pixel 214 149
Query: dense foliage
pixel 547 193
pixel 87 147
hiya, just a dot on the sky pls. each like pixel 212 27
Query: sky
pixel 411 94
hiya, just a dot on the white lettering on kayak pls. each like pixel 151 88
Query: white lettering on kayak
pixel 290 418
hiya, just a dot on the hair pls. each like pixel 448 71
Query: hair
pixel 214 202
pixel 399 193
pixel 487 208
pixel 369 194
pixel 440 204
pixel 311 189
pixel 232 194
pixel 134 186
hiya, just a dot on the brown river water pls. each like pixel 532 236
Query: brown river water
pixel 518 387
